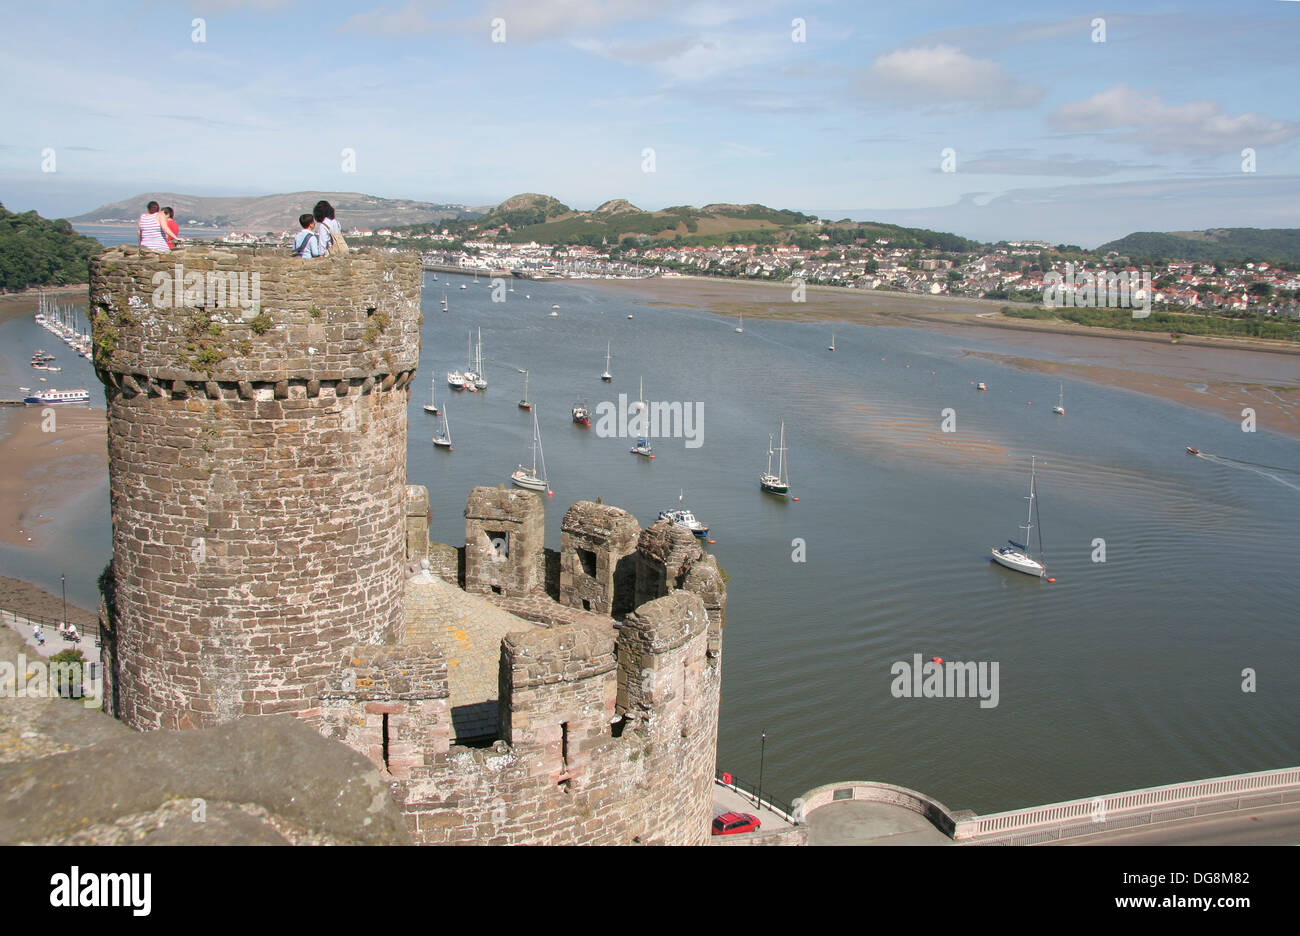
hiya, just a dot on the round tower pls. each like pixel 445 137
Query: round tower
pixel 257 466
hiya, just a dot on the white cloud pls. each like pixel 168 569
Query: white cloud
pixel 944 76
pixel 409 20
pixel 1125 115
pixel 692 58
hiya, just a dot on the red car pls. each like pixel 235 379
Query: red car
pixel 733 823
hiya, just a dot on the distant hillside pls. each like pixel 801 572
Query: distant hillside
pixel 1217 245
pixel 533 217
pixel 280 212
pixel 35 251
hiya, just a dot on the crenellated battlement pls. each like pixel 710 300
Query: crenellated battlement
pixel 246 316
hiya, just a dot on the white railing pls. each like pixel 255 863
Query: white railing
pixel 1105 809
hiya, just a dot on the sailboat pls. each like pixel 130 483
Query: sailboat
pixel 639 405
pixel 740 324
pixel 529 478
pixel 444 300
pixel 524 404
pixel 607 376
pixel 1018 557
pixel 432 405
pixel 832 347
pixel 1059 408
pixel 778 483
pixel 479 381
pixel 443 438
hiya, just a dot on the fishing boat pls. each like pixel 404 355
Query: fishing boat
pixel 525 404
pixel 51 397
pixel 1015 555
pixel 1192 451
pixel 607 376
pixel 432 406
pixel 1059 408
pixel 643 448
pixel 582 415
pixel 740 324
pixel 528 477
pixel 684 518
pixel 443 438
pixel 778 483
pixel 832 347
pixel 456 380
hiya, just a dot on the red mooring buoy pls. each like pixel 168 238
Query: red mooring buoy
pixel 938 660
pixel 794 498
pixel 1052 580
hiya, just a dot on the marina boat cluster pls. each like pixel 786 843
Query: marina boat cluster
pixel 64 323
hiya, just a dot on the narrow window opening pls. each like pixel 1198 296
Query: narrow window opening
pixel 588 560
pixel 564 743
pixel 385 740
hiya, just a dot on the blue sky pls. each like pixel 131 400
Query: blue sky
pixel 1053 135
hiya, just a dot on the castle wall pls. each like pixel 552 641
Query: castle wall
pixel 597 559
pixel 648 780
pixel 505 537
pixel 257 462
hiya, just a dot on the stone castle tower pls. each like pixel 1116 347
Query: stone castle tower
pixel 257 463
pixel 269 557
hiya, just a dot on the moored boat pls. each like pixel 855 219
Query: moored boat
pixel 50 397
pixel 778 483
pixel 1015 555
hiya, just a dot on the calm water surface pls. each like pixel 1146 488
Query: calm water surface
pixel 1122 674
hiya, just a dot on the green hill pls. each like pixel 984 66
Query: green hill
pixel 533 217
pixel 1216 245
pixel 35 251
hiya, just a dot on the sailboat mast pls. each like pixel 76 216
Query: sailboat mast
pixel 1029 520
pixel 770 453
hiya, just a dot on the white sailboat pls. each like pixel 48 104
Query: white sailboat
pixel 1059 408
pixel 443 438
pixel 525 403
pixel 479 381
pixel 639 405
pixel 444 300
pixel 1017 556
pixel 432 406
pixel 607 376
pixel 778 483
pixel 740 324
pixel 529 478
pixel 832 347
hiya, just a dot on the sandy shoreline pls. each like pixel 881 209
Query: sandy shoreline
pixel 45 470
pixel 1219 375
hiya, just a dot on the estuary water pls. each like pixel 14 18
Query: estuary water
pixel 1122 674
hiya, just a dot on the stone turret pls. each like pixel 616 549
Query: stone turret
pixel 257 466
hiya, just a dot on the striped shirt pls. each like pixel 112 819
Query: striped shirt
pixel 151 235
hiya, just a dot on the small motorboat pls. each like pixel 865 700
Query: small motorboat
pixel 1192 451
pixel 643 448
pixel 980 386
pixel 582 415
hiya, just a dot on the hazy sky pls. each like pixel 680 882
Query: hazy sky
pixel 1052 135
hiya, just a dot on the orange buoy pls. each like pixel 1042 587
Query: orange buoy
pixel 711 542
pixel 938 660
pixel 550 493
pixel 794 498
pixel 1052 580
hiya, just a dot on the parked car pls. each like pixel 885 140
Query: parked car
pixel 733 823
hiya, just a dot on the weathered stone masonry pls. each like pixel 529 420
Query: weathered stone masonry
pixel 256 475
pixel 262 530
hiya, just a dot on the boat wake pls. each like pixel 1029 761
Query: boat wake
pixel 1264 471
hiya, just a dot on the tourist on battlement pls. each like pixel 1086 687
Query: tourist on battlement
pixel 171 229
pixel 327 229
pixel 306 243
pixel 151 226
